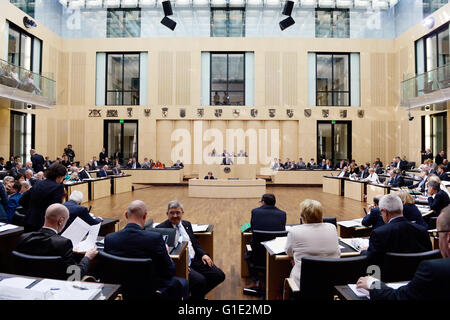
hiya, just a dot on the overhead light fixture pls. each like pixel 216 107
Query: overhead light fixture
pixel 237 3
pixel 362 4
pixel 183 2
pixel 286 23
pixel 217 3
pixel 167 8
pixel 272 2
pixel 28 23
pixel 428 22
pixel 342 4
pixel 308 3
pixel 254 2
pixel 380 4
pixel 73 5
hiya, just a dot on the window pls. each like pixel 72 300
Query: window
pixel 332 23
pixel 26 6
pixel 123 23
pixel 24 50
pixel 21 134
pixel 334 141
pixel 332 79
pixel 430 6
pixel 122 79
pixel 227 22
pixel 432 51
pixel 120 139
pixel 227 79
pixel 434 132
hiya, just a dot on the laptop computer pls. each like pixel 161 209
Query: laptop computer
pixel 169 236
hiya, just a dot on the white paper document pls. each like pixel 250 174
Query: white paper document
pixel 90 240
pixel 6 227
pixel 275 246
pixel 199 227
pixel 11 293
pixel 16 282
pixel 364 293
pixel 356 243
pixel 68 290
pixel 350 223
pixel 76 231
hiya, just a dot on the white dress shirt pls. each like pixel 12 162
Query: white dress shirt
pixel 183 236
pixel 372 178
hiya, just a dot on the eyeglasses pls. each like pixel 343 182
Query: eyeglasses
pixel 436 232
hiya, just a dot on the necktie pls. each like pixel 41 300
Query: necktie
pixel 183 239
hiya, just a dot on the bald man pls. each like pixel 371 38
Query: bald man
pixel 135 242
pixel 48 242
pixel 432 278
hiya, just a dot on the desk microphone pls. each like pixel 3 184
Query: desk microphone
pixel 365 211
pixel 90 207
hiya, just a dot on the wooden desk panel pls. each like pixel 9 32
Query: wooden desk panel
pixel 373 190
pixel 354 190
pixel 122 184
pixel 224 189
pixel 180 258
pixel 278 267
pixel 245 240
pixel 241 171
pixel 8 243
pixel 100 188
pixel 310 177
pixel 331 185
pixel 206 241
pixel 83 187
pixel 154 175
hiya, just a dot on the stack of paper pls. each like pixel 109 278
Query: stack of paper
pixel 16 282
pixel 5 227
pixel 364 293
pixel 90 240
pixel 67 290
pixel 356 243
pixel 275 246
pixel 350 223
pixel 199 227
pixel 78 230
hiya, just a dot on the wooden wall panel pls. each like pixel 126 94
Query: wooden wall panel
pixel 164 130
pixel 62 139
pixel 165 78
pixel 289 84
pixel 378 138
pixel 183 75
pixel 288 140
pixel 393 81
pixel 51 138
pixel 378 79
pixel 272 78
pixel 62 84
pixel 392 140
pixel 78 79
pixel 404 138
pixel 404 63
pixel 77 134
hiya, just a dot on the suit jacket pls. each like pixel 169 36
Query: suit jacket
pixel 403 164
pixel 199 252
pixel 267 218
pixel 46 242
pixel 430 282
pixel 102 156
pixel 135 242
pixel 130 165
pixel 13 203
pixel 373 219
pixel 412 213
pixel 440 201
pixel 206 178
pixel 42 195
pixel 420 184
pixel 438 159
pixel 116 171
pixel 9 165
pixel 38 162
pixel 75 210
pixel 397 181
pixel 3 204
pixel 379 170
pixel 83 175
pixel 400 236
pixel 102 173
pixel 443 176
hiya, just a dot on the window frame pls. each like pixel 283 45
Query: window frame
pixel 123 78
pixel 24 133
pixel 434 33
pixel 21 31
pixel 122 126
pixel 210 76
pixel 331 11
pixel 444 138
pixel 123 10
pixel 227 8
pixel 332 79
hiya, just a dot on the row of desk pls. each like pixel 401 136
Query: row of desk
pixel 98 188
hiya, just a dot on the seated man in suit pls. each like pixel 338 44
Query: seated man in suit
pixel 102 172
pixel 209 176
pixel 431 280
pixel 438 199
pixel 311 163
pixel 133 164
pixel 344 172
pixel 76 210
pixel 48 242
pixel 135 242
pixel 373 218
pixel 203 274
pixel 396 180
pixel 116 170
pixel 397 235
pixel 403 164
pixel 84 174
pixel 300 164
pixel 420 186
pixel 265 218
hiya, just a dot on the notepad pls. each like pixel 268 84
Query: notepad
pixel 245 227
pixel 199 227
pixel 68 290
pixel 76 231
pixel 365 293
pixel 17 282
pixel 6 227
pixel 275 246
pixel 350 223
pixel 356 243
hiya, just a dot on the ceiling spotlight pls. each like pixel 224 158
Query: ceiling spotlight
pixel 29 23
pixel 410 118
pixel 427 107
pixel 169 23
pixel 288 6
pixel 286 23
pixel 428 22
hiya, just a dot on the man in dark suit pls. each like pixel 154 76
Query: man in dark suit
pixel 396 180
pixel 420 186
pixel 116 170
pixel 209 176
pixel 37 160
pixel 397 235
pixel 438 199
pixel 403 164
pixel 373 219
pixel 135 242
pixel 431 280
pixel 102 155
pixel 102 172
pixel 265 218
pixel 48 242
pixel 70 153
pixel 77 210
pixel 203 275
pixel 440 157
pixel 84 174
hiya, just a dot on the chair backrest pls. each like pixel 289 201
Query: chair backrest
pixel 411 165
pixel 18 219
pixel 171 234
pixel 403 266
pixel 135 275
pixel 52 267
pixel 320 275
pixel 331 220
pixel 258 257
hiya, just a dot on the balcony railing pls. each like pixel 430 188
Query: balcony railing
pixel 426 88
pixel 19 84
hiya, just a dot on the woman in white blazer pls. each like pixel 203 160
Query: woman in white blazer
pixel 372 177
pixel 311 238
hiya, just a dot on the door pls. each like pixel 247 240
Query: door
pixel 334 141
pixel 121 139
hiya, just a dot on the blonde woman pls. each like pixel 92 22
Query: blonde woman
pixel 311 238
pixel 410 211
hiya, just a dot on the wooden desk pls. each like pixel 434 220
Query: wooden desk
pixel 82 186
pixel 200 188
pixel 300 177
pixel 100 188
pixel 180 257
pixel 345 293
pixel 354 190
pixel 332 185
pixel 8 243
pixel 241 171
pixel 121 184
pixel 246 237
pixel 155 175
pixel 108 292
pixel 93 173
pixel 354 232
pixel 206 240
pixel 108 226
pixel 374 190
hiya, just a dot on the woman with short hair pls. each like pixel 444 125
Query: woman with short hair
pixel 410 211
pixel 312 238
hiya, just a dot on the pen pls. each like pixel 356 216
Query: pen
pixel 81 288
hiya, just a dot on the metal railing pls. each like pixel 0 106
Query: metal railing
pixel 29 87
pixel 427 83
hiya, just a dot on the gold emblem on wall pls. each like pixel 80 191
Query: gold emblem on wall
pixel 182 113
pixel 236 112
pixel 218 113
pixel 307 113
pixel 271 113
pixel 165 112
pixel 147 112
pixel 290 112
pixel 360 113
pixel 254 113
pixel 325 113
pixel 200 112
pixel 95 113
pixel 130 112
pixel 343 113
pixel 112 113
